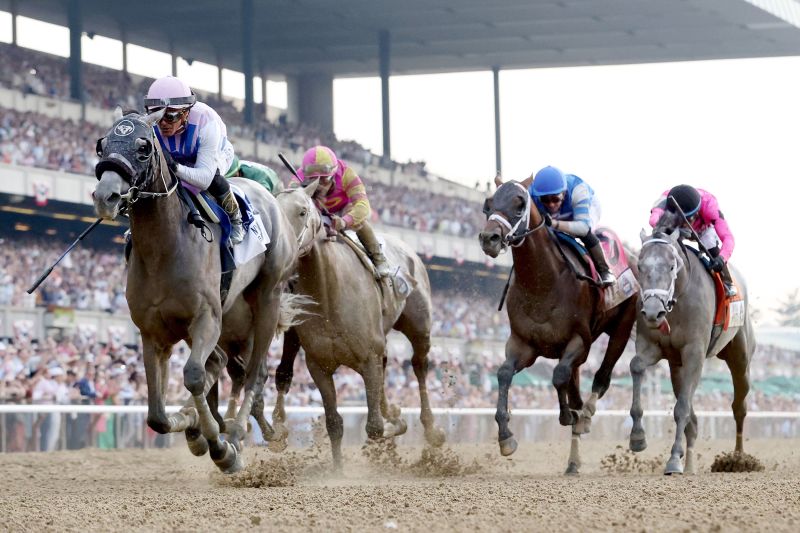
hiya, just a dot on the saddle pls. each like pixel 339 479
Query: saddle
pixel 626 285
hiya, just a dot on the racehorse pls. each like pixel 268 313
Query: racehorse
pixel 553 312
pixel 677 323
pixel 350 324
pixel 173 286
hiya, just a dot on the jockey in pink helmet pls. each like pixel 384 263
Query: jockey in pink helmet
pixel 195 143
pixel 343 195
pixel 702 211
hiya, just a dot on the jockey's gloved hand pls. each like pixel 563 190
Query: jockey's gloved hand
pixel 548 220
pixel 717 264
pixel 338 223
pixel 171 164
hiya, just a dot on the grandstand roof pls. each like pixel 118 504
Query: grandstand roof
pixel 341 37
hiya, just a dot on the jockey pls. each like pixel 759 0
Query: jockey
pixel 256 172
pixel 702 212
pixel 343 195
pixel 569 205
pixel 195 144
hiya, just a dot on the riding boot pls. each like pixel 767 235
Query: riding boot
pixel 367 237
pixel 231 207
pixel 727 281
pixel 606 276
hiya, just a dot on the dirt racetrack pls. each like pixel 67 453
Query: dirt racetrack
pixel 467 488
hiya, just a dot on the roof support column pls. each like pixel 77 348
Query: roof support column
pixel 174 58
pixel 247 58
pixel 219 74
pixel 497 159
pixel 14 9
pixel 75 78
pixel 264 94
pixel 124 40
pixel 384 51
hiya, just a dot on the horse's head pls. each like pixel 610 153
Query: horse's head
pixel 508 217
pixel 127 159
pixel 660 262
pixel 304 218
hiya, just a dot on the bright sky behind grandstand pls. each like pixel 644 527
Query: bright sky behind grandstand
pixel 631 131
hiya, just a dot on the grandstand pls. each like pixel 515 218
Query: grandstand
pixel 72 341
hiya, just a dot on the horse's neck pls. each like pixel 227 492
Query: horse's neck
pixel 158 229
pixel 537 263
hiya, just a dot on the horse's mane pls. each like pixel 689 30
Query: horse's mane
pixel 667 223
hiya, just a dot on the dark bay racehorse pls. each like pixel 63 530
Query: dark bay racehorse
pixel 173 286
pixel 349 325
pixel 678 306
pixel 552 314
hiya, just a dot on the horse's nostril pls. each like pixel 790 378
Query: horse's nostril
pixel 661 314
pixel 113 197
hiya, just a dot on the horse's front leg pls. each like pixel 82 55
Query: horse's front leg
pixel 156 368
pixel 647 354
pixel 519 355
pixel 574 354
pixel 204 333
pixel 283 381
pixel 684 382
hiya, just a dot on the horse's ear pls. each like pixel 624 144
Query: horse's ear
pixel 311 188
pixel 498 179
pixel 153 118
pixel 643 235
pixel 487 206
pixel 117 113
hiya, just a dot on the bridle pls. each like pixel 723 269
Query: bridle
pixel 665 296
pixel 303 249
pixel 513 237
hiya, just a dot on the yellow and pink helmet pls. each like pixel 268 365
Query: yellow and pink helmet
pixel 319 161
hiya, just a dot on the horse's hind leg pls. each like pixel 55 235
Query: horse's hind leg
pixel 393 423
pixel 333 420
pixel 518 356
pixel 581 424
pixel 738 360
pixel 574 355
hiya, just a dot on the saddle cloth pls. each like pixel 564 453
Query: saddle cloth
pixel 626 285
pixel 256 239
pixel 730 310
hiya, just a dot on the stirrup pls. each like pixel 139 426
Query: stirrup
pixel 730 290
pixel 383 269
pixel 607 278
pixel 237 233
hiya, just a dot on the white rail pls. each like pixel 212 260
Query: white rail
pixel 360 410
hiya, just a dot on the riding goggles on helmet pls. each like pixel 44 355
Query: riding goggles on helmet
pixel 170 117
pixel 321 171
pixel 153 104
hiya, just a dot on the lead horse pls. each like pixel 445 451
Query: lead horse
pixel 552 313
pixel 173 287
pixel 350 324
pixel 676 323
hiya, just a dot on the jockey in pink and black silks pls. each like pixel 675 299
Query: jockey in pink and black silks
pixel 195 143
pixel 702 211
pixel 343 195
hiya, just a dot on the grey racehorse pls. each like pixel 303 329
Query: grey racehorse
pixel 173 286
pixel 675 323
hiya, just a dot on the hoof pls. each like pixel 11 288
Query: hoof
pixel 277 446
pixel 435 437
pixel 674 466
pixel 236 433
pixel 568 417
pixel 401 427
pixel 231 462
pixel 389 430
pixel 638 444
pixel 279 432
pixel 508 446
pixel 197 444
pixel 582 426
pixel 572 469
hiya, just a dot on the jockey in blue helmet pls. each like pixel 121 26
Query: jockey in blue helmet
pixel 569 205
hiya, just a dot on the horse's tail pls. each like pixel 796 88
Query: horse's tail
pixel 293 310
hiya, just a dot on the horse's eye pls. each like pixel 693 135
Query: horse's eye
pixel 303 212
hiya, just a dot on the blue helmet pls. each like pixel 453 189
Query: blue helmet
pixel 549 180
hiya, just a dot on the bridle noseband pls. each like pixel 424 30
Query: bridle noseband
pixel 665 296
pixel 512 237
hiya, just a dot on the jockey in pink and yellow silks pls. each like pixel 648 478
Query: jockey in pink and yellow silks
pixel 702 211
pixel 342 193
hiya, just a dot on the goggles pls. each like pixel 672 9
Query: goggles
pixel 319 171
pixel 550 199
